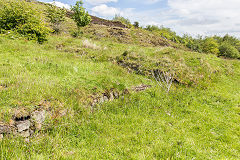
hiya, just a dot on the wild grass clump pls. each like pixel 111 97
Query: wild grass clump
pixel 22 19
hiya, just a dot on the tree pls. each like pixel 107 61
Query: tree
pixel 136 24
pixel 210 45
pixel 55 16
pixel 80 16
pixel 227 50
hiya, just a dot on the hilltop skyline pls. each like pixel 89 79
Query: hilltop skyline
pixel 206 17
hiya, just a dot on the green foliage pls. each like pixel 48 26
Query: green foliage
pixel 123 20
pixel 230 40
pixel 136 24
pixel 76 33
pixel 80 16
pixel 55 16
pixel 210 45
pixel 227 50
pixel 188 123
pixel 20 17
pixel 195 44
pixel 152 28
pixel 164 32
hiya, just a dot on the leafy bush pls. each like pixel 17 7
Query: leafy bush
pixel 230 40
pixel 22 19
pixel 152 28
pixel 164 32
pixel 76 33
pixel 123 20
pixel 80 16
pixel 227 50
pixel 136 24
pixel 55 16
pixel 210 45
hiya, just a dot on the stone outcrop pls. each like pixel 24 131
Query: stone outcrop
pixel 23 123
pixel 112 94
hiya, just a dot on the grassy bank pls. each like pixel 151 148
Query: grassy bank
pixel 195 121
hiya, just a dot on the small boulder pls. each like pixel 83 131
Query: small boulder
pixel 105 98
pixel 23 125
pixel 24 134
pixel 4 129
pixel 38 116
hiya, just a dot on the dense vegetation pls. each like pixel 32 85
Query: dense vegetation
pixel 226 46
pixel 197 119
pixel 20 18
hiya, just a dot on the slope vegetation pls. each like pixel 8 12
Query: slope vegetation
pixel 197 119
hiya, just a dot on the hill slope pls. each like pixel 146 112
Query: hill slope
pixel 197 119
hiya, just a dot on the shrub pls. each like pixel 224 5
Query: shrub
pixel 76 33
pixel 227 50
pixel 136 24
pixel 19 17
pixel 152 28
pixel 55 16
pixel 80 16
pixel 123 20
pixel 210 45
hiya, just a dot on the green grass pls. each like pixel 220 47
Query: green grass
pixel 199 121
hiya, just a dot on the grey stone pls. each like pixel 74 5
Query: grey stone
pixel 116 95
pixel 4 129
pixel 23 125
pixel 105 98
pixel 38 116
pixel 38 126
pixel 101 100
pixel 24 134
pixel 111 96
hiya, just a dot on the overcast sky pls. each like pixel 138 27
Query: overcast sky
pixel 205 17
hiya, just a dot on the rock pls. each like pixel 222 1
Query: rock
pixel 141 88
pixel 21 114
pixel 105 98
pixel 38 126
pixel 38 116
pixel 24 134
pixel 116 95
pixel 4 129
pixel 111 96
pixel 23 125
pixel 101 100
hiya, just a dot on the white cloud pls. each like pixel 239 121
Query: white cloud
pixel 109 12
pixel 205 16
pixel 60 4
pixel 104 10
pixel 97 2
pixel 151 1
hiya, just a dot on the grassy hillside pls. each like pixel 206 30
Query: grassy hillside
pixel 198 121
pixel 198 118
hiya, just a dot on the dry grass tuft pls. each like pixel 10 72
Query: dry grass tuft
pixel 89 44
